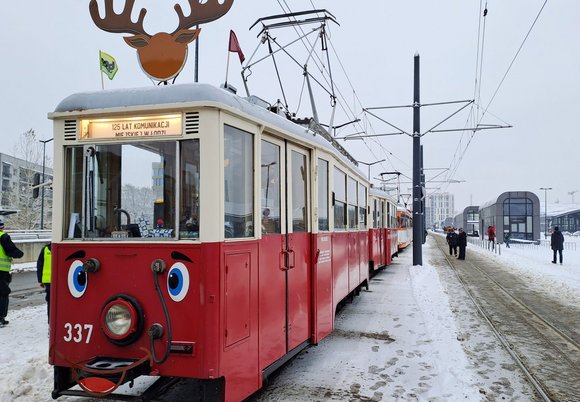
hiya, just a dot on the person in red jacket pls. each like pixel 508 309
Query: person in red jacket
pixel 491 236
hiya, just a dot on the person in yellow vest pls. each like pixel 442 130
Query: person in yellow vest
pixel 43 271
pixel 8 251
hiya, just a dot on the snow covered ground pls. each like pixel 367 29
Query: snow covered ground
pixel 422 353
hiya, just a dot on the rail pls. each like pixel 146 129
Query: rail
pixel 507 344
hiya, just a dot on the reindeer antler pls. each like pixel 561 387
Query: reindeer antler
pixel 202 13
pixel 113 22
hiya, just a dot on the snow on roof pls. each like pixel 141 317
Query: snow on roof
pixel 173 95
pixel 382 194
pixel 555 210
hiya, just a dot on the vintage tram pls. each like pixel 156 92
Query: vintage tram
pixel 231 258
pixel 383 233
pixel 404 227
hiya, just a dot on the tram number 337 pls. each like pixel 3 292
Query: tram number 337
pixel 78 332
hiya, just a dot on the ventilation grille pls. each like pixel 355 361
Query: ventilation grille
pixel 191 123
pixel 70 130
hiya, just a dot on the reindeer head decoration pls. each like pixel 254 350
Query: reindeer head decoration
pixel 163 55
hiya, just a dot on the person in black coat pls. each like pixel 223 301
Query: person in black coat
pixel 8 251
pixel 452 241
pixel 557 243
pixel 462 243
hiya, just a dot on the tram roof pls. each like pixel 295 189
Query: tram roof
pixel 196 94
pixel 376 192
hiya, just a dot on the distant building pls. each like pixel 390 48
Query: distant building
pixel 438 207
pixel 17 179
pixel 517 212
pixel 468 220
pixel 565 216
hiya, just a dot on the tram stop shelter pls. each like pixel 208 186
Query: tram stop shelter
pixel 566 217
pixel 517 212
pixel 469 220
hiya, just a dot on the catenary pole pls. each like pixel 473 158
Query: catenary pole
pixel 417 217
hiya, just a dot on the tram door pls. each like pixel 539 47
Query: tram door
pixel 298 245
pixel 284 249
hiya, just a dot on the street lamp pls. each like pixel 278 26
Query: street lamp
pixel 42 184
pixel 545 210
pixel 369 164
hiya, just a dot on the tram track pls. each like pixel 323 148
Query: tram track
pixel 546 349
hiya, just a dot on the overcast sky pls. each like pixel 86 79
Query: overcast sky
pixel 50 50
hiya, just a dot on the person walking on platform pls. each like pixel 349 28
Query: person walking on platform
pixel 8 251
pixel 452 241
pixel 557 243
pixel 462 243
pixel 491 236
pixel 506 238
pixel 43 272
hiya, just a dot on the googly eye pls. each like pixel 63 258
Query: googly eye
pixel 178 281
pixel 77 279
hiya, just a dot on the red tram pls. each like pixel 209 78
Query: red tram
pixel 198 235
pixel 404 227
pixel 383 234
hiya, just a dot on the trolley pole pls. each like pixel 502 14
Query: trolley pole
pixel 417 191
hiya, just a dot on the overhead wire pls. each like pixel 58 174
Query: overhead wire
pixel 344 104
pixel 514 58
pixel 479 119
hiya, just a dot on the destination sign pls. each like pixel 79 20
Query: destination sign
pixel 134 127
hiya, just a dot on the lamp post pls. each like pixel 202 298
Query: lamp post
pixel 42 183
pixel 369 164
pixel 545 210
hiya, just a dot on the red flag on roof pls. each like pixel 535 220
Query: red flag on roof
pixel 235 46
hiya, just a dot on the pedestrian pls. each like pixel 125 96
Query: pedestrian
pixel 43 271
pixel 462 243
pixel 452 241
pixel 8 251
pixel 491 236
pixel 557 243
pixel 506 238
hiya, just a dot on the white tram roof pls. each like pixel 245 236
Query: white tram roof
pixel 194 95
pixel 375 192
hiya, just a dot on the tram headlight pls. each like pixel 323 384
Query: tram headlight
pixel 121 321
pixel 118 319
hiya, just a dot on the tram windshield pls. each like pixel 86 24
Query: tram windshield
pixel 130 190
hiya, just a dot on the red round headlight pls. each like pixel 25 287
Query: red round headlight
pixel 119 320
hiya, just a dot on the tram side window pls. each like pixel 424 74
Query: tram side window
pixel 238 183
pixel 190 219
pixel 362 206
pixel 339 199
pixel 121 190
pixel 299 193
pixel 73 200
pixel 270 188
pixel 323 223
pixel 352 203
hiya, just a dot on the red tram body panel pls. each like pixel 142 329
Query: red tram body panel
pixel 227 273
